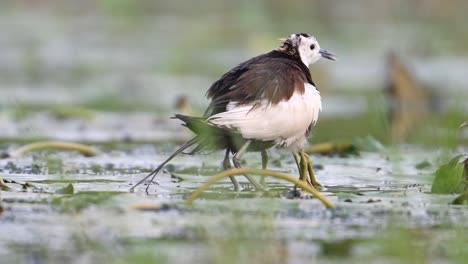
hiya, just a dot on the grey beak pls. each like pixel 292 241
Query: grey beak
pixel 328 55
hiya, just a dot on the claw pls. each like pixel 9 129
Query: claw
pixel 304 165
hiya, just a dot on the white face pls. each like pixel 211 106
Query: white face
pixel 308 47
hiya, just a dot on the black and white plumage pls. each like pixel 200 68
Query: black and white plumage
pixel 267 101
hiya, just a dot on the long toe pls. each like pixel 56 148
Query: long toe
pixel 235 184
pixel 317 185
pixel 257 186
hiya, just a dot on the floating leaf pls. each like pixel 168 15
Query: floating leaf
pixel 462 199
pixel 332 148
pixel 150 207
pixel 368 143
pixel 423 165
pixel 76 203
pixel 339 248
pixel 346 196
pixel 449 177
pixel 54 164
pixel 69 189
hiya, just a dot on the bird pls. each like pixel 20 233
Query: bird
pixel 267 101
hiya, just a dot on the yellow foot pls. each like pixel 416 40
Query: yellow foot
pixel 307 165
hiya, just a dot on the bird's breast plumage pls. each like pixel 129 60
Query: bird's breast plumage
pixel 286 122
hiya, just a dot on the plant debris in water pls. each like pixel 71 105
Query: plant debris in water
pixel 77 202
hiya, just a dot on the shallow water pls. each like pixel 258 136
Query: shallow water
pixel 113 84
pixel 374 193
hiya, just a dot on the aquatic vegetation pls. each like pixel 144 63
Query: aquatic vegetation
pixel 111 79
pixel 449 178
pixel 263 173
pixel 51 145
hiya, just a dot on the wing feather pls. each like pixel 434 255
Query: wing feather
pixel 272 76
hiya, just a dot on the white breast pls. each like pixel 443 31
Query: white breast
pixel 285 122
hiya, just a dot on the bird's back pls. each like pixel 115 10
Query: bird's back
pixel 273 76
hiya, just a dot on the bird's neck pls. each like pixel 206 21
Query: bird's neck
pixel 294 56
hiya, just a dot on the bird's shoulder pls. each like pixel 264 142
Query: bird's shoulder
pixel 273 75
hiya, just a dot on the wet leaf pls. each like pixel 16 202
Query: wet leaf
pixel 368 143
pixel 54 165
pixel 462 199
pixel 78 202
pixel 67 112
pixel 373 201
pixel 150 207
pixel 346 197
pixel 341 248
pixel 423 165
pixel 449 178
pixel 69 189
pixel 331 148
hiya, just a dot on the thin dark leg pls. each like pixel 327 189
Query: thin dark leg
pixel 264 165
pixel 156 171
pixel 297 159
pixel 237 164
pixel 264 159
pixel 227 166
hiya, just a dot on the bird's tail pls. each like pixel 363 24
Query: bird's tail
pixel 197 124
pixel 209 137
pixel 158 169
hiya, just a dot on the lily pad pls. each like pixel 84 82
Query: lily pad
pixel 78 202
pixel 423 165
pixel 449 177
pixel 368 143
pixel 462 199
pixel 69 189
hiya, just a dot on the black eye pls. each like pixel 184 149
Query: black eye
pixel 312 46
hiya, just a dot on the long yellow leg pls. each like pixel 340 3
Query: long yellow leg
pixel 312 180
pixel 301 166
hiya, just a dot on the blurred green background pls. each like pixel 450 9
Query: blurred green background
pixel 112 72
pixel 77 58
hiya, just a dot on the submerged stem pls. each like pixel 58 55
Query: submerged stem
pixel 262 173
pixel 3 185
pixel 55 145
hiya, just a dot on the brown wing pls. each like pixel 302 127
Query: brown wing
pixel 272 76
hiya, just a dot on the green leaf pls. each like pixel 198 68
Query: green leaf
pixel 449 177
pixel 368 143
pixel 66 190
pixel 462 199
pixel 78 202
pixel 423 165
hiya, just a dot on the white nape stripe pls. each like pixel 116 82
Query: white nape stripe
pixel 285 122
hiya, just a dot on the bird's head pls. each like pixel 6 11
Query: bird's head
pixel 305 47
